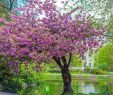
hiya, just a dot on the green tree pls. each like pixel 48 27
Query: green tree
pixel 104 57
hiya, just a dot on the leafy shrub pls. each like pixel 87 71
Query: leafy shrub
pixel 13 85
pixel 29 75
pixel 13 82
pixel 5 72
pixel 76 70
pixel 50 67
pixel 103 66
pixel 96 71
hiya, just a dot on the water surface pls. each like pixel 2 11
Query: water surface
pixel 80 87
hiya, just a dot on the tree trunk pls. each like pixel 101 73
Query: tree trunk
pixel 64 65
pixel 67 81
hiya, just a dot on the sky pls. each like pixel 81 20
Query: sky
pixel 86 3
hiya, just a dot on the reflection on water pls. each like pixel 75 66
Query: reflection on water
pixel 88 88
pixel 79 87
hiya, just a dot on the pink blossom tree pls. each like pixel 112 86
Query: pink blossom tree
pixel 54 36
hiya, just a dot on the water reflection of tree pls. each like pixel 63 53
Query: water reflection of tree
pixel 95 87
pixel 109 88
pixel 88 88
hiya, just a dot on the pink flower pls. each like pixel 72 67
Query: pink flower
pixel 2 20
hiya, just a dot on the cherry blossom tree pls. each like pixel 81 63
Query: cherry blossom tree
pixel 43 33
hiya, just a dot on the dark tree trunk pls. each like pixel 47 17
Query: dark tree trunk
pixel 67 81
pixel 66 76
pixel 11 4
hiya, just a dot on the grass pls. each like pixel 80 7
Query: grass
pixel 86 76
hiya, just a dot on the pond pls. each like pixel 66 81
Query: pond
pixel 80 87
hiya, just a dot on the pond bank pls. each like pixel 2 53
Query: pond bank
pixel 57 76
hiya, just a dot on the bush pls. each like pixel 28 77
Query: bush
pixel 29 75
pixel 103 66
pixel 13 85
pixel 5 72
pixel 76 70
pixel 13 82
pixel 96 71
pixel 51 67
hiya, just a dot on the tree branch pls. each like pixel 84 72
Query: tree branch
pixel 70 58
pixel 57 60
pixel 64 60
pixel 11 4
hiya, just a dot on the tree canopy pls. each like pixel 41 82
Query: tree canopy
pixel 104 57
pixel 42 33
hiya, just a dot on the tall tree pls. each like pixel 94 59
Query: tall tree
pixel 7 4
pixel 42 33
pixel 12 4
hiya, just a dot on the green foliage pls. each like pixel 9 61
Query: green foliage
pixel 50 67
pixel 13 82
pixel 54 70
pixel 7 78
pixel 103 66
pixel 3 11
pixel 76 61
pixel 5 72
pixel 96 71
pixel 76 71
pixel 28 74
pixel 104 57
pixel 12 85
